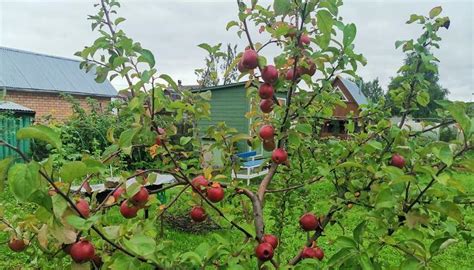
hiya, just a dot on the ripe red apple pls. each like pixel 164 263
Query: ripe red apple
pixel 319 253
pixel 264 251
pixel 398 161
pixel 271 239
pixel 158 141
pixel 128 210
pixel 265 91
pixel 309 222
pixel 309 69
pixel 141 197
pixel 83 207
pixel 200 183
pixel 118 192
pixel 308 253
pixel 198 214
pixel 266 105
pixel 97 260
pixel 269 74
pixel 279 155
pixel 290 74
pixel 267 132
pixel 17 245
pixel 269 145
pixel 241 68
pixel 215 194
pixel 82 251
pixel 304 40
pixel 250 59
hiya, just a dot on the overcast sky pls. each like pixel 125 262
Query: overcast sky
pixel 172 29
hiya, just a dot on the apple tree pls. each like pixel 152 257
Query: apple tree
pixel 405 184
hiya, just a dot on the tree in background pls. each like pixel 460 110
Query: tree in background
pixel 434 90
pixel 216 67
pixel 371 89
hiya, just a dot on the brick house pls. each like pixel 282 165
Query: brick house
pixel 37 81
pixel 353 98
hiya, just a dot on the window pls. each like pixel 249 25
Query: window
pixel 339 91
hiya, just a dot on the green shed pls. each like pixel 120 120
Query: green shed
pixel 229 104
pixel 12 118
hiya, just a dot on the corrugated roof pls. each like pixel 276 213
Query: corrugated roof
pixel 28 71
pixel 355 91
pixel 12 106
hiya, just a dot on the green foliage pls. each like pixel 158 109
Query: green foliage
pixel 412 212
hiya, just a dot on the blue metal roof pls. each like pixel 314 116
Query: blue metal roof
pixel 28 71
pixel 355 91
pixel 12 106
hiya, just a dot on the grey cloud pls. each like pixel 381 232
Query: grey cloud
pixel 173 29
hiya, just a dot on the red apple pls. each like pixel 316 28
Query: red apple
pixel 271 239
pixel 67 248
pixel 265 91
pixel 141 197
pixel 309 69
pixel 250 59
pixel 83 207
pixel 269 145
pixel 200 183
pixel 267 132
pixel 309 222
pixel 398 161
pixel 198 214
pixel 118 192
pixel 319 253
pixel 82 251
pixel 290 74
pixel 266 105
pixel 128 210
pixel 264 251
pixel 215 194
pixel 158 141
pixel 241 68
pixel 304 40
pixel 308 253
pixel 17 245
pixel 97 260
pixel 279 155
pixel 269 74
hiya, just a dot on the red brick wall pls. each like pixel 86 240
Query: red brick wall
pixel 46 104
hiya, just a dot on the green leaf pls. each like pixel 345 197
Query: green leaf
pixel 42 133
pixel 346 242
pixel 423 98
pixel 440 244
pixel 325 22
pixel 444 154
pixel 365 262
pixel 350 164
pixel 385 199
pixel 23 180
pixel 304 128
pixel 126 138
pixel 411 263
pixel 452 210
pixel 147 57
pixel 119 20
pixel 141 244
pixel 294 138
pixel 458 111
pixel 192 257
pixel 350 31
pixel 398 43
pixel 359 232
pixel 170 81
pixel 341 256
pixel 231 24
pixel 184 140
pixel 43 199
pixel 73 170
pixel 281 7
pixel 435 11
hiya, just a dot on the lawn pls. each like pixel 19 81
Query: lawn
pixel 456 257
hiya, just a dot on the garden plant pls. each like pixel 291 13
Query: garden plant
pixel 407 187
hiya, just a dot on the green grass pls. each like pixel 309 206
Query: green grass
pixel 456 257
